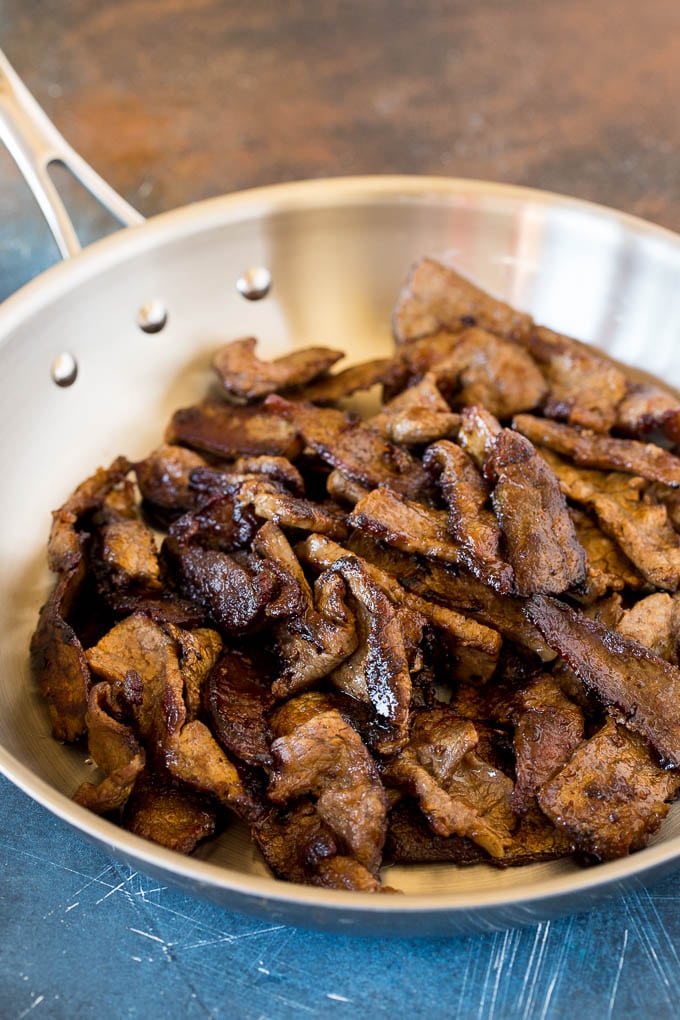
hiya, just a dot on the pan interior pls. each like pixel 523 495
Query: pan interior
pixel 338 253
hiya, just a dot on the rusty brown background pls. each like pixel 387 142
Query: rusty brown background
pixel 176 100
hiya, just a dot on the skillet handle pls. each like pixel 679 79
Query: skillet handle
pixel 34 143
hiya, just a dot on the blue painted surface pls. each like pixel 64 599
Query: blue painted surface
pixel 83 936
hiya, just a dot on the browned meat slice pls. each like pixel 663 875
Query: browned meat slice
pixel 234 596
pixel 458 793
pixel 344 489
pixel 350 380
pixel 410 840
pixel 128 555
pixel 423 394
pixel 356 449
pixel 323 553
pixel 540 540
pixel 380 666
pixel 316 631
pixel 607 567
pixel 141 655
pixel 221 522
pixel 299 847
pixel 115 749
pixel 243 374
pixel 64 548
pixel 238 698
pixel 271 502
pixel 277 469
pixel 196 759
pixel 548 729
pixel 474 526
pixel 648 407
pixel 627 513
pixel 198 651
pixel 478 432
pixel 644 687
pixel 419 426
pixel 653 621
pixel 163 607
pixel 484 369
pixel 611 795
pixel 435 297
pixel 325 758
pixel 408 526
pixel 228 431
pixel 163 477
pixel 585 388
pixel 58 660
pixel 169 813
pixel 342 872
pixel 592 450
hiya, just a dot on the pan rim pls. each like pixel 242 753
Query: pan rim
pixel 607 878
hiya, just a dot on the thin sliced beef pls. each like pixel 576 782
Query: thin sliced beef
pixel 351 380
pixel 276 469
pixel 627 513
pixel 163 477
pixel 594 450
pixel 243 374
pixel 169 813
pixel 357 450
pixel 408 526
pixel 458 793
pixel 471 522
pixel 228 431
pixel 607 567
pixel 653 621
pixel 585 387
pixel 548 729
pixel 322 553
pixel 64 548
pixel 622 672
pixel 540 540
pixel 484 369
pixel 116 751
pixel 381 663
pixel 221 522
pixel 325 758
pixel 195 758
pixel 410 840
pixel 271 502
pixel 234 596
pixel 58 661
pixel 128 558
pixel 316 631
pixel 648 408
pixel 238 699
pixel 436 296
pixel 611 795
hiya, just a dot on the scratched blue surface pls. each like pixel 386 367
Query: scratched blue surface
pixel 83 936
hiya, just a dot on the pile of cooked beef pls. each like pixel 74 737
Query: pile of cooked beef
pixel 447 632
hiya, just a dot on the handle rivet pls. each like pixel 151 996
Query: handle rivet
pixel 64 369
pixel 152 316
pixel 255 283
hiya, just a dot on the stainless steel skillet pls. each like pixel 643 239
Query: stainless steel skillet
pixel 337 251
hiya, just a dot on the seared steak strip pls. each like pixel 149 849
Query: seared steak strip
pixel 228 431
pixel 471 523
pixel 593 450
pixel 627 514
pixel 243 374
pixel 611 795
pixel 436 296
pixel 408 526
pixel 625 674
pixel 356 449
